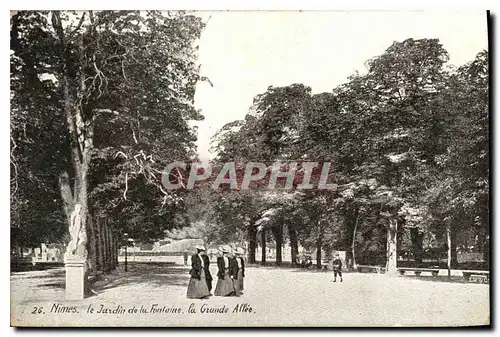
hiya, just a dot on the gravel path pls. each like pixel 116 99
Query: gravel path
pixel 277 297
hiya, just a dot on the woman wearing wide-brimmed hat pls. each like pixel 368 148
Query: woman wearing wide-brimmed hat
pixel 240 271
pixel 225 286
pixel 198 287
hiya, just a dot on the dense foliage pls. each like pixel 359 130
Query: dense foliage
pixel 100 102
pixel 408 141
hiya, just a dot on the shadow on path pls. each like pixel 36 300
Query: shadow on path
pixel 48 279
pixel 48 273
pixel 440 278
pixel 54 285
pixel 147 274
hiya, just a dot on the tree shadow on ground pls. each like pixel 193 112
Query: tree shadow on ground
pixel 54 280
pixel 27 267
pixel 156 275
pixel 50 274
pixel 53 285
pixel 283 265
pixel 299 270
pixel 440 278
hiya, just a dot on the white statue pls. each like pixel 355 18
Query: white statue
pixel 78 233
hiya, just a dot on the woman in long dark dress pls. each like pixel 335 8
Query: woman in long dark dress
pixel 198 287
pixel 240 271
pixel 225 286
pixel 208 275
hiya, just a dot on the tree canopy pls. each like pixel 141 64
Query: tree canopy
pixel 100 103
pixel 408 143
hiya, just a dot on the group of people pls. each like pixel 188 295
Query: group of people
pixel 230 274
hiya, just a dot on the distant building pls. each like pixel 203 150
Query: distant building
pixel 177 245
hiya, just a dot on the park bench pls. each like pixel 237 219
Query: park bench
pixel 371 269
pixel 418 271
pixel 480 276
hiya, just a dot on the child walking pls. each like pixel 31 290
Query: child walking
pixel 337 268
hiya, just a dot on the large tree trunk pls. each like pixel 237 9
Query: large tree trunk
pixel 277 231
pixel 109 259
pixel 111 250
pixel 392 251
pixel 102 242
pixel 115 250
pixel 448 238
pixel 75 198
pixel 353 246
pixel 319 244
pixel 351 219
pixel 485 237
pixel 294 244
pixel 76 207
pixel 486 249
pixel 100 251
pixel 454 257
pixel 263 245
pixel 417 244
pixel 106 246
pixel 279 246
pixel 96 245
pixel 102 231
pixel 252 243
pixel 93 247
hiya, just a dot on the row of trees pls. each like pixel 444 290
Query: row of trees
pixel 100 103
pixel 408 143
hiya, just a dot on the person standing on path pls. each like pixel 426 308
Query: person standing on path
pixel 233 271
pixel 239 273
pixel 198 287
pixel 208 275
pixel 224 286
pixel 337 268
pixel 185 255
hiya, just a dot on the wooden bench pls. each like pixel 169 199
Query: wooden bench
pixel 418 271
pixel 480 276
pixel 370 269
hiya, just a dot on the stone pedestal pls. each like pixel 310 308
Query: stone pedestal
pixel 76 277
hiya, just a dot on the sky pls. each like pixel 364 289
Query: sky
pixel 243 53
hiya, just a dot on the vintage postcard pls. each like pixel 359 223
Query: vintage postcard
pixel 249 168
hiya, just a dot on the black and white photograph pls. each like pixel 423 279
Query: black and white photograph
pixel 250 168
